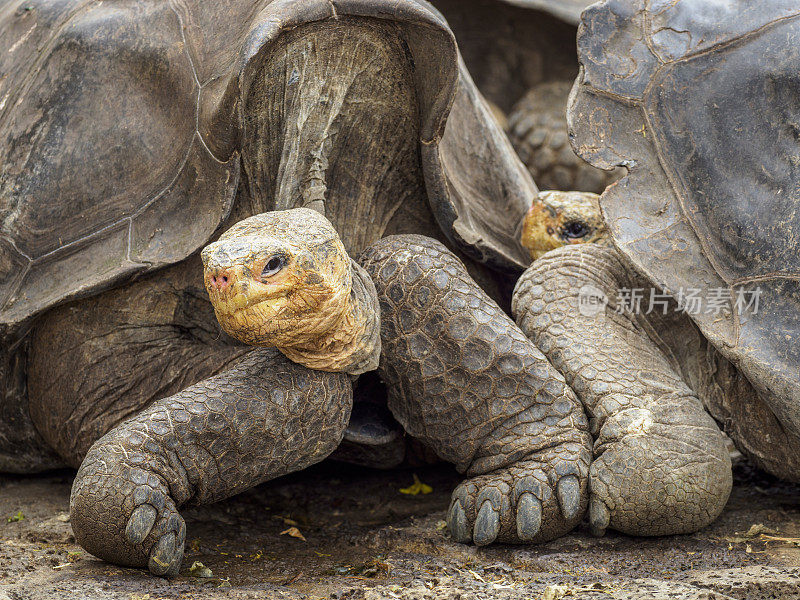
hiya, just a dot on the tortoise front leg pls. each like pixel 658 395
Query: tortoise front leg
pixel 263 418
pixel 463 379
pixel 661 466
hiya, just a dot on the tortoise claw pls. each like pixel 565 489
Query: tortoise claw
pixel 457 522
pixel 166 556
pixel 487 524
pixel 140 523
pixel 529 517
pixel 599 516
pixel 569 496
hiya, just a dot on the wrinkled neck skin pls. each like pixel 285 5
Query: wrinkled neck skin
pixel 352 344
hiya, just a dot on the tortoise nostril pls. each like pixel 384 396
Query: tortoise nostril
pixel 218 282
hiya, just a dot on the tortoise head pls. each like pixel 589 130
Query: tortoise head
pixel 559 218
pixel 284 279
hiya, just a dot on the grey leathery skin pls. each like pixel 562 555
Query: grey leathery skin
pixel 464 380
pixel 660 461
pixel 262 418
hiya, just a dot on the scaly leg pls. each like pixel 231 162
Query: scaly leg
pixel 262 418
pixel 464 380
pixel 661 466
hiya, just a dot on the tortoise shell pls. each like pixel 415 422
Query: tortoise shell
pixel 700 101
pixel 121 127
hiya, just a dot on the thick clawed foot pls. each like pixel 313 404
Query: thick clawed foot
pixel 531 501
pixel 125 515
pixel 169 535
pixel 166 531
pixel 662 479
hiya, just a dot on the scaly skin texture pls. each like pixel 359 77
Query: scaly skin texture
pixel 450 355
pixel 262 418
pixel 537 128
pixel 660 464
pixel 464 380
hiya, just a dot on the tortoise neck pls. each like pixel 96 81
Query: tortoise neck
pixel 353 343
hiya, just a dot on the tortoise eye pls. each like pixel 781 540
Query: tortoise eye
pixel 274 264
pixel 574 230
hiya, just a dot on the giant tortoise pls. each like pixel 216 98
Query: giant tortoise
pixel 132 134
pixel 693 302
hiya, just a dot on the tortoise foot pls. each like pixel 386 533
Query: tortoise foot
pixel 532 501
pixel 124 514
pixel 261 418
pixel 654 475
pixel 660 462
pixel 464 380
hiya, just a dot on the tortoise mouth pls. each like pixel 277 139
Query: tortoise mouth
pixel 236 305
pixel 238 299
pixel 256 323
pixel 264 307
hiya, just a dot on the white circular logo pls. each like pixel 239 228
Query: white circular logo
pixel 591 301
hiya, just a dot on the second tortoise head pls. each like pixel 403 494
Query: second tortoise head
pixel 559 218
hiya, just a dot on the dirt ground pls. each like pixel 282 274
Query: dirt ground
pixel 364 539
